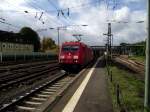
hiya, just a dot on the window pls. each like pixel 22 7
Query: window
pixel 69 48
pixel 74 48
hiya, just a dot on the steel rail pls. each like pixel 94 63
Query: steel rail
pixel 28 94
pixel 27 77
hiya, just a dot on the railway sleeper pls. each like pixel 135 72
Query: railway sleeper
pixel 26 108
pixel 38 99
pixel 33 102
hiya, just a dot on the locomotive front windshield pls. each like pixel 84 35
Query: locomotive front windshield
pixel 70 48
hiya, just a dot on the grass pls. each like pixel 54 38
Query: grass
pixel 138 58
pixel 132 89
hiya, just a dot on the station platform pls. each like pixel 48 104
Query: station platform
pixel 89 93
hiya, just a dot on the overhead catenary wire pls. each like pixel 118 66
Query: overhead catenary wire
pixel 47 14
pixel 72 7
pixel 57 9
pixel 43 13
pixel 37 7
pixel 43 10
pixel 22 10
pixel 62 9
pixel 40 17
pixel 53 4
pixel 9 24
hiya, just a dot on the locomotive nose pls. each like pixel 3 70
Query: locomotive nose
pixel 69 56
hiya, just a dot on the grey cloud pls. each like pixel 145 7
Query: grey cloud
pixel 95 17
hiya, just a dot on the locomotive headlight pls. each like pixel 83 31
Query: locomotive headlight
pixel 75 57
pixel 62 57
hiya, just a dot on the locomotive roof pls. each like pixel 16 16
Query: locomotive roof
pixel 73 43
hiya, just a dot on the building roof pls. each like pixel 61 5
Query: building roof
pixel 13 37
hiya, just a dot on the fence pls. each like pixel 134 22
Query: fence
pixel 4 57
pixel 116 87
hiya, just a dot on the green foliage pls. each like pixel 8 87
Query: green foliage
pixel 132 89
pixel 138 58
pixel 136 48
pixel 140 43
pixel 48 43
pixel 140 51
pixel 31 35
pixel 123 44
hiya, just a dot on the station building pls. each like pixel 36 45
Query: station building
pixel 15 43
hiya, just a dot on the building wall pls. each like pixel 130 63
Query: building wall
pixel 15 47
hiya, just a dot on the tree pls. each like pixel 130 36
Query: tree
pixel 31 35
pixel 48 43
pixel 137 48
pixel 123 44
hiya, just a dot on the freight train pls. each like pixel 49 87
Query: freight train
pixel 74 55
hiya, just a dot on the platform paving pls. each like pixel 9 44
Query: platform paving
pixel 94 98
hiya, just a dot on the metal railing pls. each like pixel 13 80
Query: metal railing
pixel 116 88
pixel 4 57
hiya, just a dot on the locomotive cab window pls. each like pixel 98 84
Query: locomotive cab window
pixel 74 48
pixel 70 48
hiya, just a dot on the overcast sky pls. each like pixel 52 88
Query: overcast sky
pixel 124 15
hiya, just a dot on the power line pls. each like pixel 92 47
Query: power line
pixel 61 10
pixel 46 11
pixel 43 12
pixel 22 12
pixel 53 4
pixel 73 7
pixel 10 24
pixel 82 5
pixel 35 7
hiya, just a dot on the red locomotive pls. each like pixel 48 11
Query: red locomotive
pixel 74 55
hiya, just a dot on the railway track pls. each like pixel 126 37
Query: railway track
pixel 23 66
pixel 35 96
pixel 25 78
pixel 41 98
pixel 134 66
pixel 14 77
pixel 49 84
